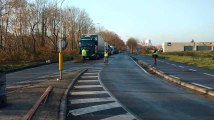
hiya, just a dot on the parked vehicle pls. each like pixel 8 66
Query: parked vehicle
pixel 94 45
pixel 114 50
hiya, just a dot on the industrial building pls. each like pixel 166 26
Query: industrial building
pixel 187 46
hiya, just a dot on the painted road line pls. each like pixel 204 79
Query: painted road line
pixel 173 64
pixel 88 76
pixel 85 81
pixel 90 73
pixel 174 76
pixel 181 66
pixel 142 68
pixel 126 116
pixel 202 86
pixel 208 74
pixel 92 100
pixel 87 86
pixel 96 108
pixel 192 70
pixel 89 93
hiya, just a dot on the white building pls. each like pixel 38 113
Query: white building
pixel 187 46
pixel 148 43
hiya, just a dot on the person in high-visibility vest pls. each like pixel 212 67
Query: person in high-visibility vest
pixel 84 54
pixel 105 56
pixel 155 55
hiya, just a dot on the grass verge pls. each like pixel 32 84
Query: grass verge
pixel 203 59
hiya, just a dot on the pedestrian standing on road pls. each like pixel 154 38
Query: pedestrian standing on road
pixel 84 54
pixel 105 56
pixel 155 55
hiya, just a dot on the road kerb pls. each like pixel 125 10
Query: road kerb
pixel 210 92
pixel 178 81
pixel 63 105
pixel 194 87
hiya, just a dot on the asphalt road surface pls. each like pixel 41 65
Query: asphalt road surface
pixel 37 73
pixel 150 98
pixel 143 95
pixel 44 72
pixel 187 73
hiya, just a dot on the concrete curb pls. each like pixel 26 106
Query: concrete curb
pixel 178 81
pixel 63 105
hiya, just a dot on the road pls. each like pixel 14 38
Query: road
pixel 44 72
pixel 187 73
pixel 135 93
pixel 150 98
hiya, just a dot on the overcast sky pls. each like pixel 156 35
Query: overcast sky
pixel 157 20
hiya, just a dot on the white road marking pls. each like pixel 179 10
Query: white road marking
pixel 89 93
pixel 202 85
pixel 87 86
pixel 181 66
pixel 126 116
pixel 96 108
pixel 173 64
pixel 142 68
pixel 92 100
pixel 85 81
pixel 208 74
pixel 174 76
pixel 88 76
pixel 192 70
pixel 90 73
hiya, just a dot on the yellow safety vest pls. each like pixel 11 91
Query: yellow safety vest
pixel 105 54
pixel 84 53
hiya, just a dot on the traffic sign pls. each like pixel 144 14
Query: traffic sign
pixel 61 44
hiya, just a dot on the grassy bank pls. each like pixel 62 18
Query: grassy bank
pixel 203 59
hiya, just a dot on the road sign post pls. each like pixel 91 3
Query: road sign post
pixel 61 44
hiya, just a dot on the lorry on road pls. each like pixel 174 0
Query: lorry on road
pixel 94 44
pixel 113 50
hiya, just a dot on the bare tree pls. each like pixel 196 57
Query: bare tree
pixel 132 44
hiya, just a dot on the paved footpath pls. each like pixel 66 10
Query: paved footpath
pixel 90 100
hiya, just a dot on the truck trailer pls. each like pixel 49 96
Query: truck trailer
pixel 94 44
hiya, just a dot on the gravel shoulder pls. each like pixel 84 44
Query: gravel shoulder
pixel 22 97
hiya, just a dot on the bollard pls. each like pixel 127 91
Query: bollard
pixel 3 97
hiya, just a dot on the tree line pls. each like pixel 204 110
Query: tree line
pixel 30 29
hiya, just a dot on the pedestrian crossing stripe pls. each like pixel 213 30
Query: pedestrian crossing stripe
pixel 126 116
pixel 96 108
pixel 89 76
pixel 90 73
pixel 85 81
pixel 87 86
pixel 89 93
pixel 92 100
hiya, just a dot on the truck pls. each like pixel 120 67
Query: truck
pixel 113 50
pixel 94 44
